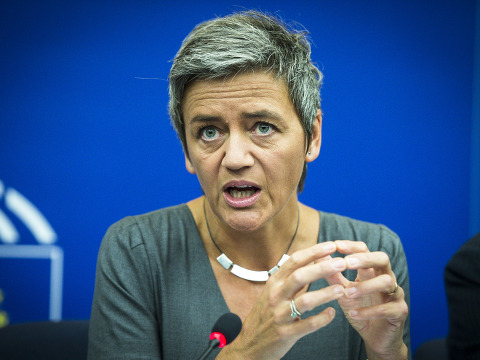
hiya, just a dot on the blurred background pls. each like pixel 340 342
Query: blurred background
pixel 85 137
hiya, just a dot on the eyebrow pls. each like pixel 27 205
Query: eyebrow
pixel 262 114
pixel 204 118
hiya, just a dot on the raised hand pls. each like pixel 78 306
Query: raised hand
pixel 374 303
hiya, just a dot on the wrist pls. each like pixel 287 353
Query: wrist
pixel 231 352
pixel 400 354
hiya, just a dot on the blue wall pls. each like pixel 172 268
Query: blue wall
pixel 86 139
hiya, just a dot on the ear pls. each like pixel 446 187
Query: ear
pixel 189 166
pixel 314 149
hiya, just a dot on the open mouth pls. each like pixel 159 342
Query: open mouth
pixel 241 192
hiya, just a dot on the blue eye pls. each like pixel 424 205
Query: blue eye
pixel 263 128
pixel 209 133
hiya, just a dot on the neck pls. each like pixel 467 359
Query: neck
pixel 260 249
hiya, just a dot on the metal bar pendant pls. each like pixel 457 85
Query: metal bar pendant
pixel 250 275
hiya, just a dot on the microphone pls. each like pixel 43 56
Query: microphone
pixel 224 331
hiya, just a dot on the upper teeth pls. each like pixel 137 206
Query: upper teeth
pixel 240 194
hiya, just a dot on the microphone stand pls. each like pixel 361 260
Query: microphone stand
pixel 213 344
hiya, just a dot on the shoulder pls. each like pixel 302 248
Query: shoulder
pixel 143 241
pixel 464 263
pixel 470 249
pixel 147 233
pixel 376 236
pixel 136 228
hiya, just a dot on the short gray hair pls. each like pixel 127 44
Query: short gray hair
pixel 245 42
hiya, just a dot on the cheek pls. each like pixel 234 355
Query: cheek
pixel 285 167
pixel 206 168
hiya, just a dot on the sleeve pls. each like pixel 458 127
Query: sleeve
pixel 123 323
pixel 463 294
pixel 391 244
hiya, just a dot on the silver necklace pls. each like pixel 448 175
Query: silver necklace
pixel 242 272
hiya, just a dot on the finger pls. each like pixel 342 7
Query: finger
pixel 397 310
pixel 310 273
pixel 336 278
pixel 325 258
pixel 377 259
pixel 306 256
pixel 310 300
pixel 351 247
pixel 383 283
pixel 313 323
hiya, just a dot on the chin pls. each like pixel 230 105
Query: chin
pixel 244 222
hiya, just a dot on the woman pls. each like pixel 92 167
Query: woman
pixel 244 100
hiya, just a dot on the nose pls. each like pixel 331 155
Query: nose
pixel 237 152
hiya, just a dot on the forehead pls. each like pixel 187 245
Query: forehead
pixel 252 90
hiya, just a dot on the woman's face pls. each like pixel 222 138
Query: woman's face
pixel 247 147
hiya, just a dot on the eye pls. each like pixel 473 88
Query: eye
pixel 263 128
pixel 209 133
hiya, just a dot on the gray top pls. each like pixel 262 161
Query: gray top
pixel 156 296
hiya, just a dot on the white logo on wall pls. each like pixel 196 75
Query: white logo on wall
pixel 44 234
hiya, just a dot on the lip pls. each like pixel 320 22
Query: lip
pixel 240 203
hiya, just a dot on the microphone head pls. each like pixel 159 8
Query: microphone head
pixel 229 325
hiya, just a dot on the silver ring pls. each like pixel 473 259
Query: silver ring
pixel 295 312
pixel 394 290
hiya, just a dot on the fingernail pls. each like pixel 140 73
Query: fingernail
pixel 353 313
pixel 338 264
pixel 351 261
pixel 339 289
pixel 331 312
pixel 351 291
